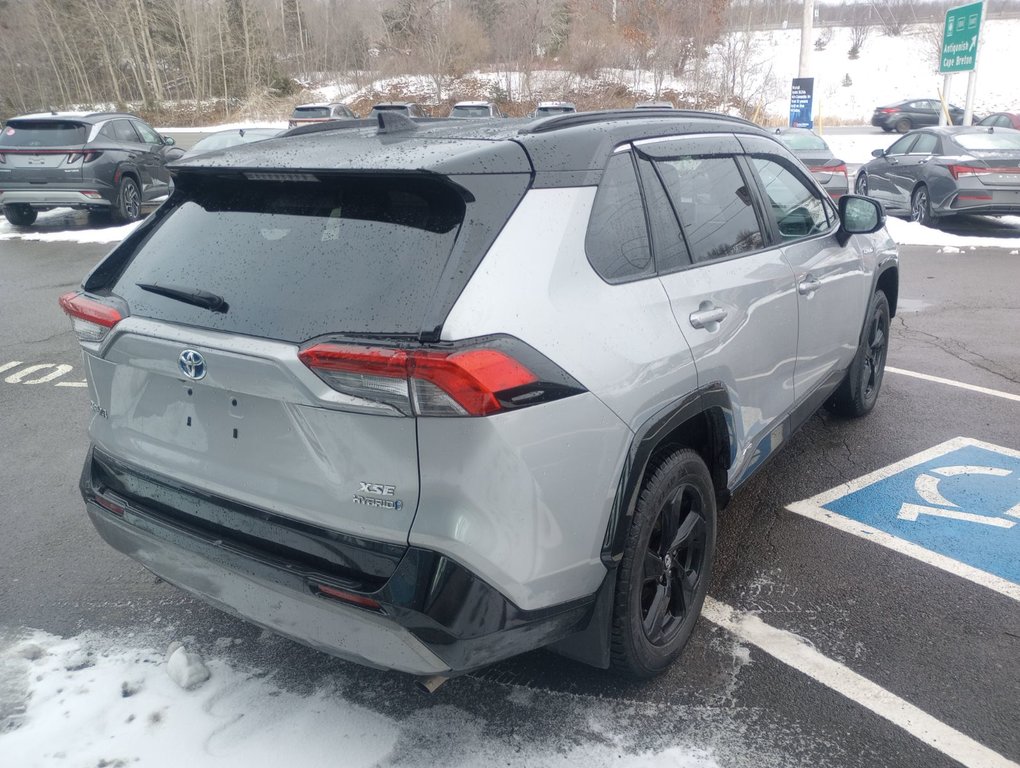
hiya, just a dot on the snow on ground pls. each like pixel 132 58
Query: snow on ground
pixel 912 233
pixel 856 148
pixel 94 700
pixel 64 225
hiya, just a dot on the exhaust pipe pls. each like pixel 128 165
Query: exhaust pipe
pixel 430 684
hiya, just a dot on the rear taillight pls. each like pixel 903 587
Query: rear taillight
pixel 85 157
pixel 889 110
pixel 91 319
pixel 959 171
pixel 474 381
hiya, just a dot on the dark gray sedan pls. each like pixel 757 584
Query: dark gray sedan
pixel 811 149
pixel 935 172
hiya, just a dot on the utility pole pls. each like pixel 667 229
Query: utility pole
pixel 806 29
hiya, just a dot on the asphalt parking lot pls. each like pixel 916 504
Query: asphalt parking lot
pixel 851 624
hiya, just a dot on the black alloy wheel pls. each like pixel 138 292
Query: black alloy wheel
pixel 861 187
pixel 920 207
pixel 673 564
pixel 20 215
pixel 876 342
pixel 128 206
pixel 858 393
pixel 666 567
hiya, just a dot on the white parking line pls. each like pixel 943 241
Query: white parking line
pixel 795 652
pixel 954 383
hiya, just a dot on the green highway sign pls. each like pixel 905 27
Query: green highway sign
pixel 960 38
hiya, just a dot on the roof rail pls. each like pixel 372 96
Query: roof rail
pixel 574 119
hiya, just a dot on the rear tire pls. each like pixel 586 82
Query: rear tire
pixel 903 125
pixel 920 208
pixel 858 393
pixel 127 205
pixel 20 215
pixel 886 129
pixel 666 567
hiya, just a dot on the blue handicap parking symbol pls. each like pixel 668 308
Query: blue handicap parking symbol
pixel 963 503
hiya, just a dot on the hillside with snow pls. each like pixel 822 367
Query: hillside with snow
pixel 751 70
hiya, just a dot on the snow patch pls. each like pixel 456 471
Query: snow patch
pixel 912 233
pixel 64 225
pixel 122 709
pixel 185 667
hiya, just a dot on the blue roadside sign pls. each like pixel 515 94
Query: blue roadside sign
pixel 802 93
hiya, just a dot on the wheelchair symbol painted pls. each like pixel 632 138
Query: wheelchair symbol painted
pixel 927 487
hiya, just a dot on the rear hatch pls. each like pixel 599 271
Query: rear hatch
pixel 209 380
pixel 302 115
pixel 42 151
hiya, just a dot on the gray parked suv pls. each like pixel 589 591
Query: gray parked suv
pixel 102 161
pixel 428 395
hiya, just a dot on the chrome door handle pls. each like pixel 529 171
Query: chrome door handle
pixel 707 315
pixel 808 285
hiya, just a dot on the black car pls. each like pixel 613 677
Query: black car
pixel 935 172
pixel 811 149
pixel 107 162
pixel 912 113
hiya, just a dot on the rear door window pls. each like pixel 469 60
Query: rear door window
pixel 714 204
pixel 123 131
pixel 297 260
pixel 926 144
pixel 42 133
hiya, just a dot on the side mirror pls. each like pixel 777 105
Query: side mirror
pixel 858 216
pixel 878 153
pixel 169 140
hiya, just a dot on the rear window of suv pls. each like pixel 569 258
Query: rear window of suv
pixel 296 260
pixel 42 133
pixel 304 113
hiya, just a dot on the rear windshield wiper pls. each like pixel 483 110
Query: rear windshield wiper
pixel 199 298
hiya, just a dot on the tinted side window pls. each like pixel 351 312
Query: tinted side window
pixel 123 131
pixel 901 146
pixel 925 145
pixel 714 205
pixel 617 239
pixel 668 242
pixel 798 210
pixel 148 135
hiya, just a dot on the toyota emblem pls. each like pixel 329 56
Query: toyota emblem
pixel 192 364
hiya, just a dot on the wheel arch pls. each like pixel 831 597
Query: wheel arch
pixel 888 281
pixel 701 421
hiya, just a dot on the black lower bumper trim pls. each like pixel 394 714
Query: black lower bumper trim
pixel 459 617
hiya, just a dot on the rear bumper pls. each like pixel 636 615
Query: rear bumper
pixel 54 198
pixel 989 200
pixel 434 617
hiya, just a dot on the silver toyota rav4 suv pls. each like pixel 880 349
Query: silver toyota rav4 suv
pixel 426 395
